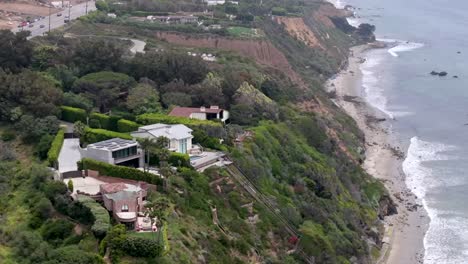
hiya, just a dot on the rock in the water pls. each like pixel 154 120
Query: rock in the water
pixel 459 52
pixel 434 73
pixel 455 76
pixel 442 73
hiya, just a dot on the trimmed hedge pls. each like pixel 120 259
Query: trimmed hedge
pixel 93 135
pixel 105 121
pixel 125 126
pixel 153 118
pixel 179 159
pixel 56 146
pixel 101 216
pixel 167 246
pixel 72 114
pixel 118 171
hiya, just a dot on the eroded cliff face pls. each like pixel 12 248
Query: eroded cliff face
pixel 262 51
pixel 296 27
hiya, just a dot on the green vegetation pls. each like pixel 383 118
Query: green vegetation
pixel 153 118
pixel 72 114
pixel 302 159
pixel 243 32
pixel 126 126
pixel 102 220
pixel 179 159
pixel 56 146
pixel 93 135
pixel 119 171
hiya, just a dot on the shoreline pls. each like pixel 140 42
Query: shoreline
pixel 403 241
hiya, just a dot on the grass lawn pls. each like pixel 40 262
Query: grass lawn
pixel 243 32
pixel 147 235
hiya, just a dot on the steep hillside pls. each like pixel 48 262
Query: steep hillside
pixel 262 51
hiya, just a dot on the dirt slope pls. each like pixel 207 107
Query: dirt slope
pixel 296 27
pixel 262 51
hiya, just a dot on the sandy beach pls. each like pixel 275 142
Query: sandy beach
pixel 404 235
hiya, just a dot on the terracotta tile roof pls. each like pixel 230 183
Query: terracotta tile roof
pixel 186 111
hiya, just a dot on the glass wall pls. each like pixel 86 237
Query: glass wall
pixel 124 153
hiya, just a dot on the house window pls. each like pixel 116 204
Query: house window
pixel 125 208
pixel 183 146
pixel 124 153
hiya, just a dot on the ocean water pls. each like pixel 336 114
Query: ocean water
pixel 429 113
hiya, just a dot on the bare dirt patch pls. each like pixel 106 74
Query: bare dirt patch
pixel 326 11
pixel 299 30
pixel 262 51
pixel 25 8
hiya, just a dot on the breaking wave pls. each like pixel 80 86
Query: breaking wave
pixel 445 227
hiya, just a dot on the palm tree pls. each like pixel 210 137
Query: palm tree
pixel 147 145
pixel 157 211
pixel 157 146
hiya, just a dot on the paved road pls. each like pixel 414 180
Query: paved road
pixel 58 21
pixel 69 155
pixel 137 45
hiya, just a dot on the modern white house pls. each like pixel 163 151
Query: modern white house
pixel 115 151
pixel 180 137
pixel 202 113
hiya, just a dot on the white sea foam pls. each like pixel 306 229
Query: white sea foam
pixel 401 46
pixel 340 4
pixel 445 227
pixel 374 87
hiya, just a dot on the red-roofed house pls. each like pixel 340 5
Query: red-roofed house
pixel 124 200
pixel 202 113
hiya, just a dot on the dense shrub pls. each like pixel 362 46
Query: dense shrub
pixel 56 229
pixel 206 141
pixel 125 126
pixel 101 216
pixel 104 120
pixel 72 114
pixel 74 209
pixel 93 135
pixel 54 151
pixel 42 148
pixel 8 136
pixel 179 159
pixel 77 100
pixel 161 118
pixel 141 247
pixel 119 171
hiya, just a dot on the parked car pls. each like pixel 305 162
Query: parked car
pixel 59 14
pixel 42 26
pixel 31 25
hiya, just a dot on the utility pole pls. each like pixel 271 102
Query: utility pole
pixel 69 7
pixel 86 7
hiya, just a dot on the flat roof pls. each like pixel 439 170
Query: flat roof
pixel 113 144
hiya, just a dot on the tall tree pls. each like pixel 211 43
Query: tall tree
pixel 15 50
pixel 157 146
pixel 28 93
pixel 97 55
pixel 157 211
pixel 143 98
pixel 104 88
